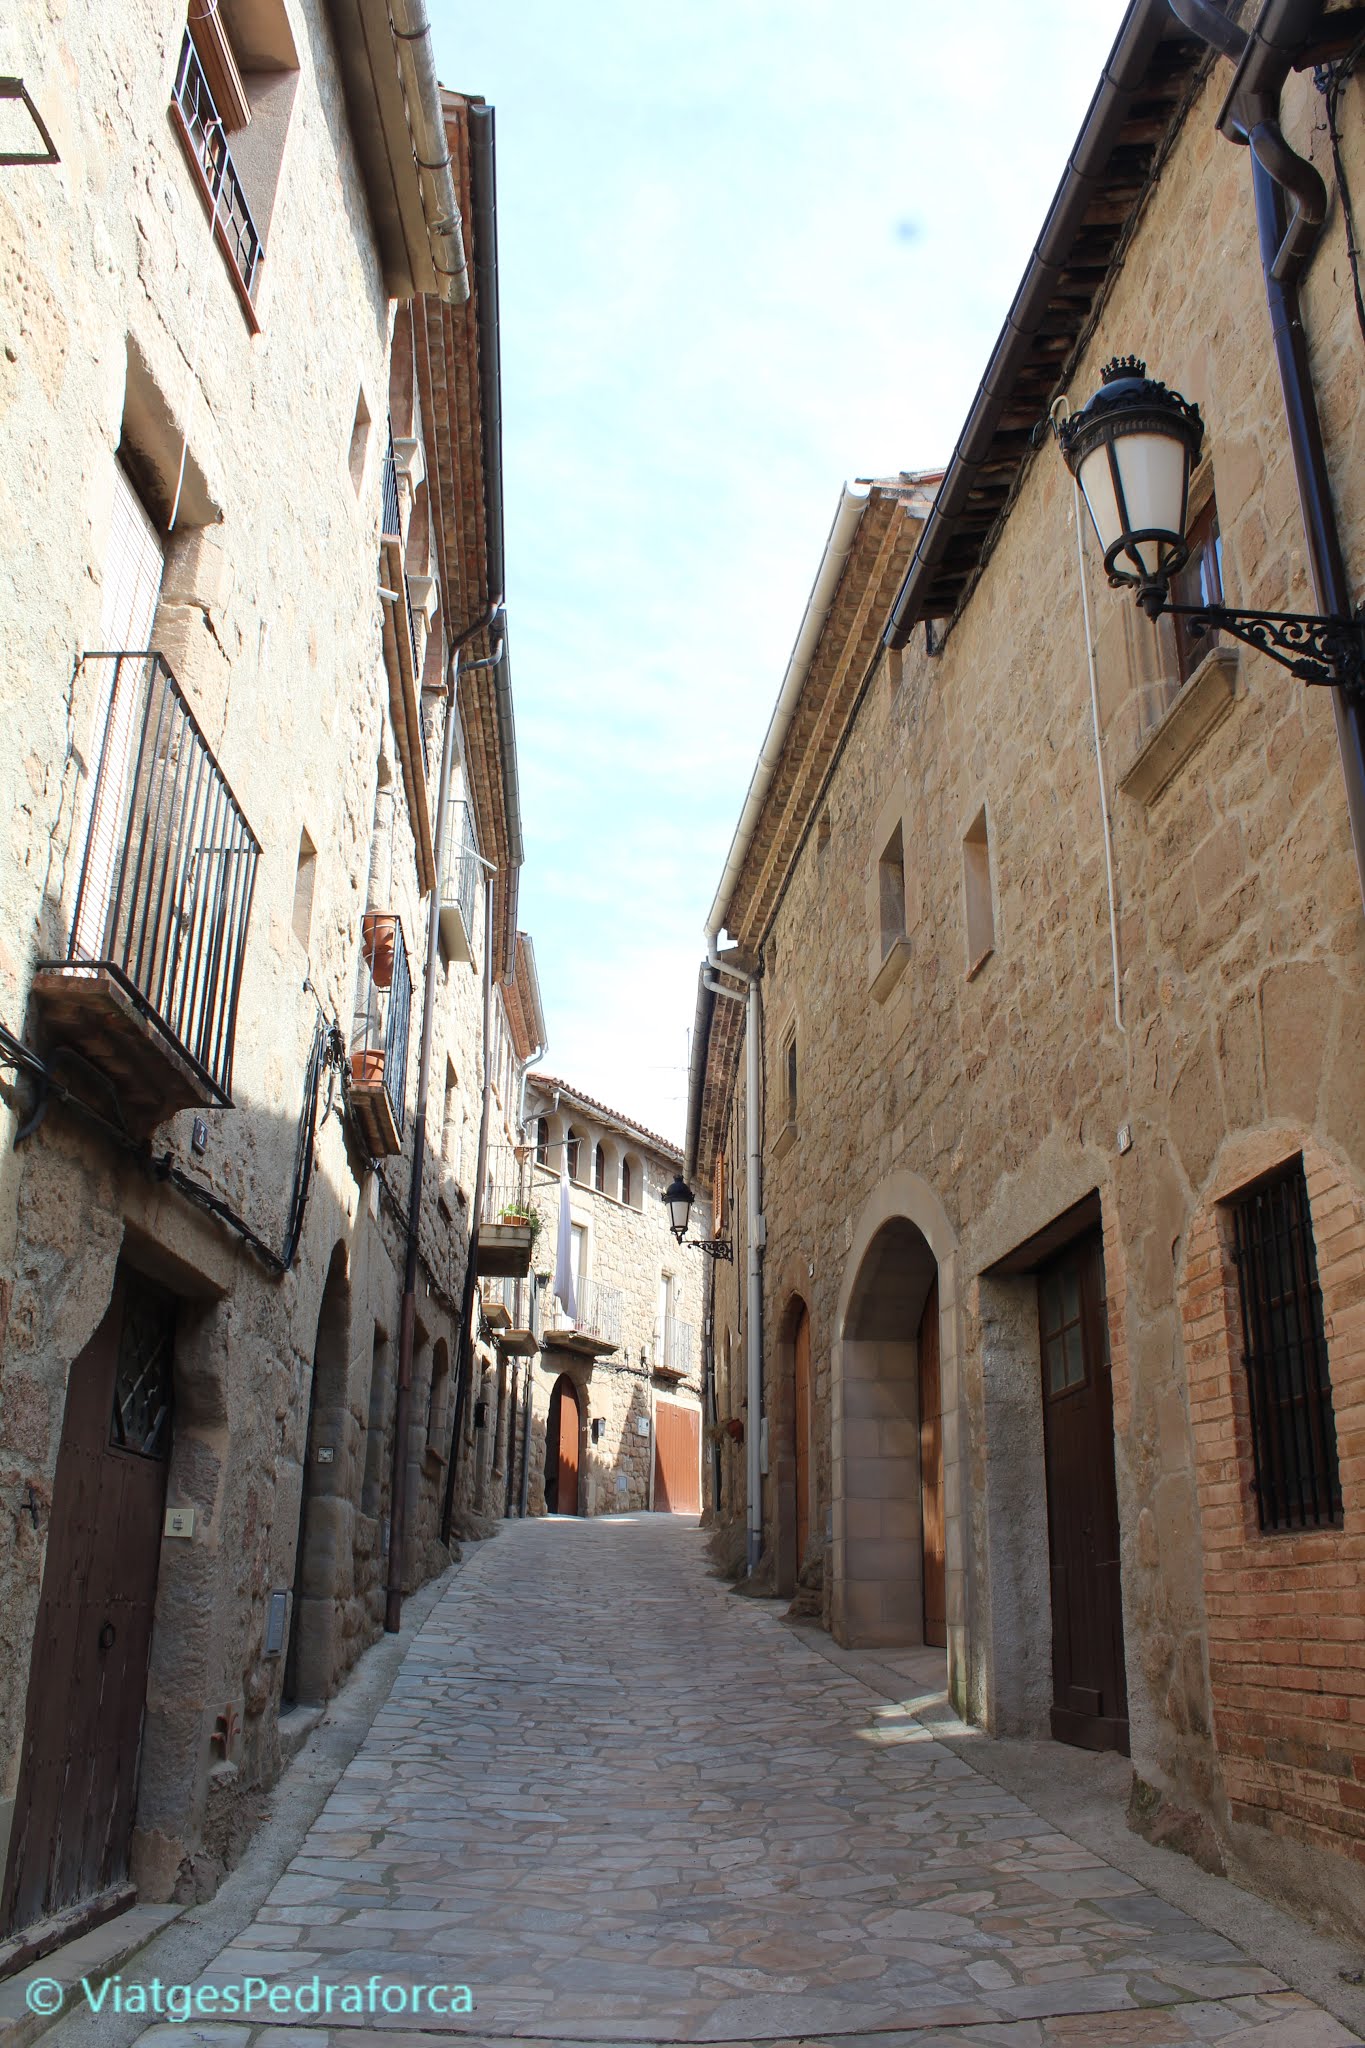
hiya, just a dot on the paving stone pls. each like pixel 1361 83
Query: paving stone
pixel 625 1807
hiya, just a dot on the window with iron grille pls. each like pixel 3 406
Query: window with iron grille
pixel 1284 1351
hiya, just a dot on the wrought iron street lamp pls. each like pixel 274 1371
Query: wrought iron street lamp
pixel 1131 450
pixel 678 1199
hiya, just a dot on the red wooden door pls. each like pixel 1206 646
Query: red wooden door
pixel 931 1473
pixel 801 1423
pixel 566 1491
pixel 677 1459
pixel 1090 1694
pixel 87 1689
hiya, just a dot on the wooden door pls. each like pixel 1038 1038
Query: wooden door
pixel 566 1490
pixel 677 1459
pixel 931 1473
pixel 73 1818
pixel 801 1424
pixel 1090 1695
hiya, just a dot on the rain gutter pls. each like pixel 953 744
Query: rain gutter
pixel 426 126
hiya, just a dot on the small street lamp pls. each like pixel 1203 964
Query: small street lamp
pixel 1131 450
pixel 678 1199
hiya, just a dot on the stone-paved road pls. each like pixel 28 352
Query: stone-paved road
pixel 622 1805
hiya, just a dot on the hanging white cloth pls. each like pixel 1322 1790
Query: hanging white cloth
pixel 564 1273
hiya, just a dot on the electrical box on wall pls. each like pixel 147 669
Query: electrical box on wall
pixel 180 1521
pixel 276 1622
pixel 642 1425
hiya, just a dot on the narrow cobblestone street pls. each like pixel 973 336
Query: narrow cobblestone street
pixel 622 1805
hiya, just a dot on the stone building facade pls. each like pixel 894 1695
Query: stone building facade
pixel 222 857
pixel 623 1374
pixel 1058 974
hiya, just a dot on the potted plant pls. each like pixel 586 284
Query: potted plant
pixel 368 1065
pixel 379 944
pixel 523 1215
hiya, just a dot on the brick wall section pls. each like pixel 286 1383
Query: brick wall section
pixel 1286 1637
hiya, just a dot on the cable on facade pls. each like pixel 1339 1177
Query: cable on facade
pixel 1330 80
pixel 327 1048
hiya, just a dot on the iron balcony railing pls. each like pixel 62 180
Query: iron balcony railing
pixel 169 867
pixel 209 142
pixel 599 1311
pixel 459 883
pixel 391 525
pixel 678 1341
pixel 379 1039
pixel 504 1187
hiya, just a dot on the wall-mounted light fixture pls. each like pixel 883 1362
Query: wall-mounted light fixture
pixel 678 1199
pixel 1131 450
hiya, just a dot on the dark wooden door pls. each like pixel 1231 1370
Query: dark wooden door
pixel 931 1474
pixel 87 1688
pixel 566 1490
pixel 801 1425
pixel 1089 1688
pixel 677 1459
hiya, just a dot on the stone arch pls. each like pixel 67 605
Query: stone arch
pixel 326 1529
pixel 902 1244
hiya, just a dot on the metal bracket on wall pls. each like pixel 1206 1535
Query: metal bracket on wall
pixel 15 89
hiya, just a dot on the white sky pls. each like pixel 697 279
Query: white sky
pixel 747 250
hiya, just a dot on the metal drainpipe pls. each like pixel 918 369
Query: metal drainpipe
pixel 407 1327
pixel 1264 56
pixel 464 1334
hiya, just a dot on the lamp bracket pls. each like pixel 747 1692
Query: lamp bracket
pixel 1315 647
pixel 712 1248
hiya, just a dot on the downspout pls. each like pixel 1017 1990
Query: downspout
pixel 1265 55
pixel 471 1278
pixel 426 125
pixel 402 1419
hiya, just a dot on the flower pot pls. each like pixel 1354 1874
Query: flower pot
pixel 379 943
pixel 735 1425
pixel 367 1066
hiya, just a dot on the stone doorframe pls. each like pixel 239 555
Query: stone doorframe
pixel 782 1442
pixel 859 1614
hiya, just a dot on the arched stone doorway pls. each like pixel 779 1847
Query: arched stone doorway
pixel 326 1512
pixel 562 1448
pixel 896 1482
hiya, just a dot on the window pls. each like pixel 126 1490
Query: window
pixel 976 892
pixel 891 891
pixel 304 877
pixel 599 1170
pixel 452 1125
pixel 1284 1355
pixel 436 1398
pixel 236 77
pixel 360 441
pixel 625 1182
pixel 542 1141
pixel 718 1196
pixel 571 1150
pixel 1199 582
pixel 789 1072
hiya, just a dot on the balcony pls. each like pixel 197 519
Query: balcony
pixel 195 120
pixel 149 986
pixel 377 1090
pixel 595 1330
pixel 513 1313
pixel 509 1224
pixel 401 658
pixel 679 1340
pixel 459 883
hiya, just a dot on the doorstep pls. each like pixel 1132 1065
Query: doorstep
pixel 95 1954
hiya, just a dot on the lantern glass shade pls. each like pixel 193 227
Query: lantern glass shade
pixel 1131 450
pixel 678 1201
pixel 1136 486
